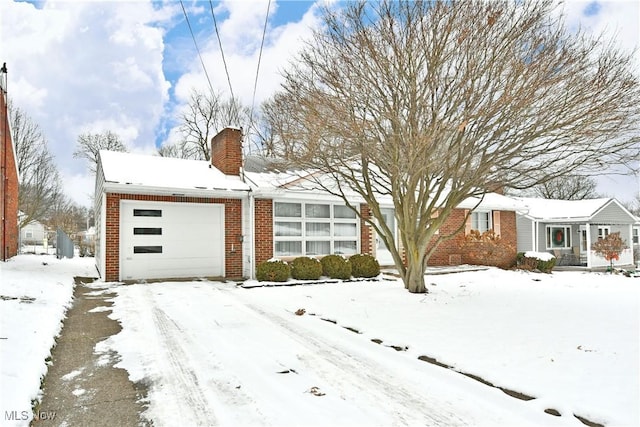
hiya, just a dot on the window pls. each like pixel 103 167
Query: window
pixel 636 235
pixel 314 229
pixel 147 212
pixel 29 234
pixel 154 231
pixel 603 231
pixel 147 249
pixel 558 236
pixel 481 221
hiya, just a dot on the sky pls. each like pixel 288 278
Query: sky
pixel 129 65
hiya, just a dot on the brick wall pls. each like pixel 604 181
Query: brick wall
pixel 226 151
pixel 233 230
pixel 263 230
pixel 366 234
pixel 8 187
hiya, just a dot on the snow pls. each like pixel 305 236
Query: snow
pixel 36 291
pixel 562 209
pixel 218 354
pixel 542 256
pixel 165 173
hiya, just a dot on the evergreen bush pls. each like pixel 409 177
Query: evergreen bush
pixel 336 267
pixel 363 265
pixel 273 271
pixel 306 268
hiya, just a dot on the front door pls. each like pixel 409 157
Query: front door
pixel 583 244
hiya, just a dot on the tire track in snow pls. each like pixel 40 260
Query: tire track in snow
pixel 367 376
pixel 183 381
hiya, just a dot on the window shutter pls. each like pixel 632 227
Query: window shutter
pixel 467 225
pixel 496 222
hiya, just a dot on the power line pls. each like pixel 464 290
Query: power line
pixel 255 83
pixel 226 70
pixel 197 49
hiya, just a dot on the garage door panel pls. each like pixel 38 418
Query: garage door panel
pixel 191 237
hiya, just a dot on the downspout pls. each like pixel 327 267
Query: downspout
pixel 252 227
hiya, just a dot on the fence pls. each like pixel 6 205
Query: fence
pixel 64 245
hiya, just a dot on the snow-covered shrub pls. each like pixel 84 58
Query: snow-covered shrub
pixel 542 261
pixel 273 270
pixel 306 268
pixel 336 267
pixel 363 265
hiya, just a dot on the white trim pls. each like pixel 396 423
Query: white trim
pixel 567 232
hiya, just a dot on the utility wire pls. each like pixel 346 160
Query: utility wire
pixel 197 49
pixel 255 83
pixel 226 70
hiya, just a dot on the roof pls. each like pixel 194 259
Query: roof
pixel 574 210
pixel 165 173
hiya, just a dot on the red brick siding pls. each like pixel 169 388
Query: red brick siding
pixel 263 230
pixel 366 241
pixel 8 186
pixel 449 251
pixel 226 151
pixel 233 230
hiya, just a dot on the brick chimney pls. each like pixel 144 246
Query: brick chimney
pixel 226 151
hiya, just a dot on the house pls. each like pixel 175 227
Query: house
pixel 159 217
pixel 568 228
pixel 9 185
pixel 33 233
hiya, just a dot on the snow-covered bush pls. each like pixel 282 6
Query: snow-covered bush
pixel 363 265
pixel 306 268
pixel 487 248
pixel 336 267
pixel 542 261
pixel 273 270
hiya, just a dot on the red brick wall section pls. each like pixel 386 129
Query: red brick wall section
pixel 226 151
pixel 449 252
pixel 233 230
pixel 8 186
pixel 366 242
pixel 263 230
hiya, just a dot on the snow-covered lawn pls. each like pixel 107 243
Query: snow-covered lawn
pixel 215 354
pixel 35 292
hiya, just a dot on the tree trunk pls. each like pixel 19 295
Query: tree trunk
pixel 413 277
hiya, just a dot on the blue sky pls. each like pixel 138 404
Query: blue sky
pixel 129 65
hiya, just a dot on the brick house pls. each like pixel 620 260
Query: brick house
pixel 9 186
pixel 160 217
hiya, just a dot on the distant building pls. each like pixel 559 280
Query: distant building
pixel 8 178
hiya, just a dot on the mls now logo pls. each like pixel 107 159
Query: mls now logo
pixel 24 415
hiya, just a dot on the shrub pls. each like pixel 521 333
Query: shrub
pixel 336 267
pixel 273 271
pixel 487 248
pixel 306 268
pixel 543 262
pixel 363 265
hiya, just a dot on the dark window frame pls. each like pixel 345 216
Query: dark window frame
pixel 148 212
pixel 147 231
pixel 146 249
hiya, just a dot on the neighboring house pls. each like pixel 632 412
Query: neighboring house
pixel 159 217
pixel 9 186
pixel 635 238
pixel 568 228
pixel 33 233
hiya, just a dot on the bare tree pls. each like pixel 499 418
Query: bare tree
pixel 204 117
pixel 89 145
pixel 40 183
pixel 573 187
pixel 430 103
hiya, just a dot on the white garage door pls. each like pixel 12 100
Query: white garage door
pixel 167 240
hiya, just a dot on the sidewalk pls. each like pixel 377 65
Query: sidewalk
pixel 83 388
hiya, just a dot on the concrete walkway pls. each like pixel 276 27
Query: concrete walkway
pixel 83 388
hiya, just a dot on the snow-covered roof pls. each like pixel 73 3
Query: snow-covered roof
pixel 165 173
pixel 495 202
pixel 553 209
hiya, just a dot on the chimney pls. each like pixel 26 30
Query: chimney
pixel 226 151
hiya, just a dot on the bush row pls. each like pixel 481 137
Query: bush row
pixel 307 268
pixel 530 263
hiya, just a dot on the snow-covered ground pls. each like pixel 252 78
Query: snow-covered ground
pixel 216 354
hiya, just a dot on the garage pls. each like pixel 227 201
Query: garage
pixel 171 240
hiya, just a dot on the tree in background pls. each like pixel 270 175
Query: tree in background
pixel 89 144
pixel 430 103
pixel 205 115
pixel 573 187
pixel 40 184
pixel 610 247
